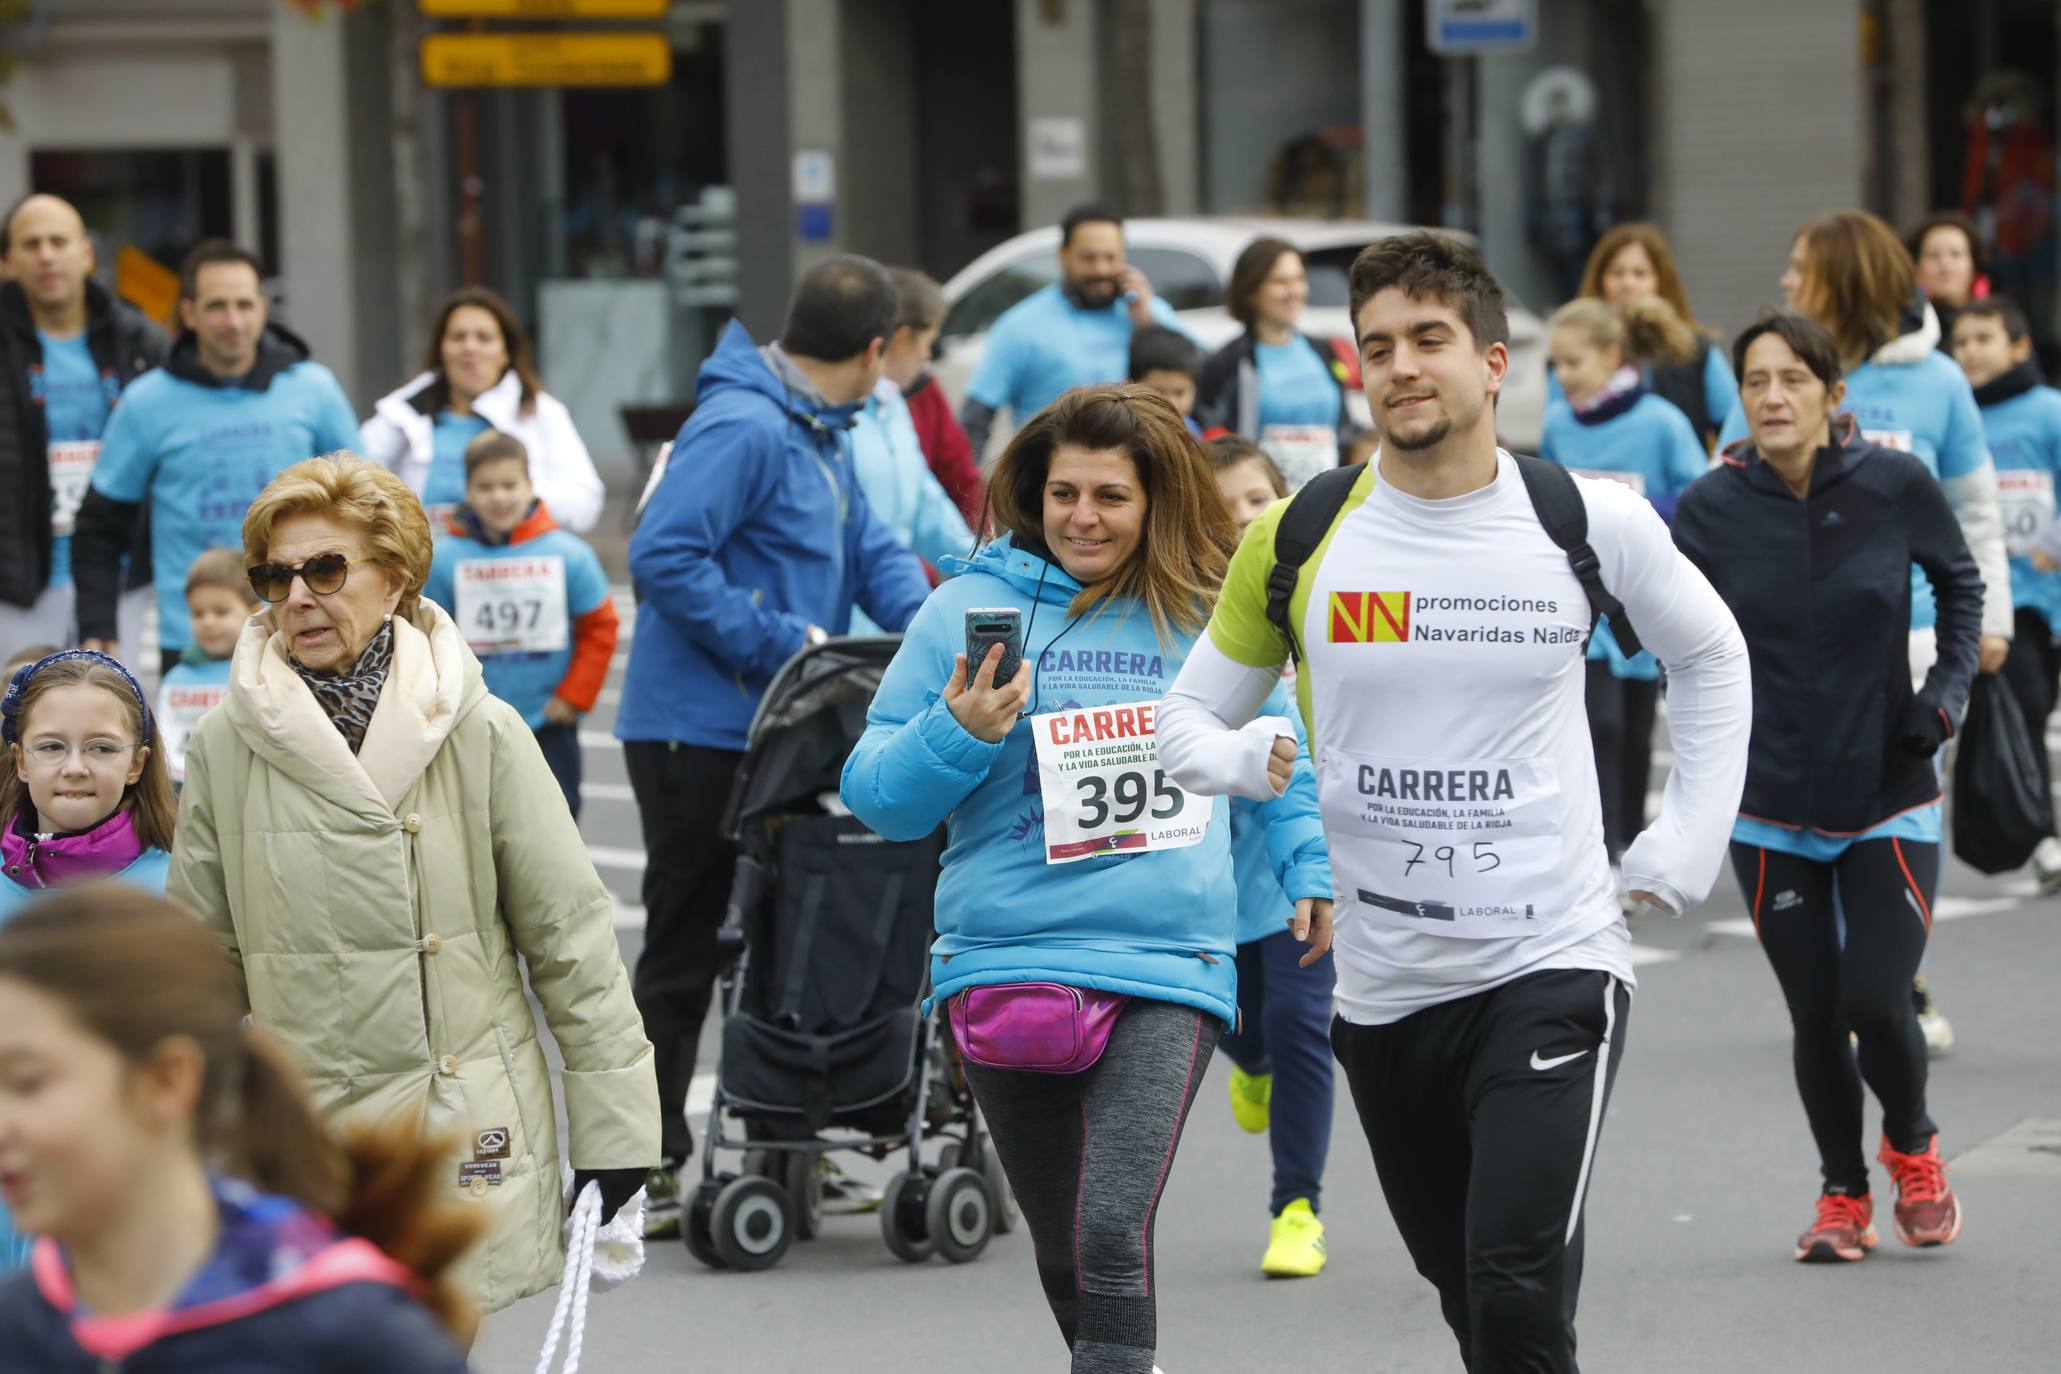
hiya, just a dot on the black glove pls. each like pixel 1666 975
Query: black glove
pixel 1925 728
pixel 617 1187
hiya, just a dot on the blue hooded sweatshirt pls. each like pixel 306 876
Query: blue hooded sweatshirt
pixel 757 531
pixel 200 448
pixel 1162 924
pixel 2023 422
pixel 898 483
pixel 1643 441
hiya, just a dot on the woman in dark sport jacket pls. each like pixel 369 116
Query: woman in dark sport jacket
pixel 1809 532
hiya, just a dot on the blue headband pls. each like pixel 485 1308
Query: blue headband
pixel 10 705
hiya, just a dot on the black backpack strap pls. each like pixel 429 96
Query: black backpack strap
pixel 1557 501
pixel 1302 527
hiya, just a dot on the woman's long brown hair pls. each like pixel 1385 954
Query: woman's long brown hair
pixel 1858 278
pixel 1189 535
pixel 1667 282
pixel 521 361
pixel 148 800
pixel 135 971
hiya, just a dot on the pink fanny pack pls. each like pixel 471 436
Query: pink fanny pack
pixel 1034 1027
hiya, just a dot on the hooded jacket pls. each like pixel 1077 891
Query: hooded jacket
pixel 1227 394
pixel 282 1294
pixel 377 904
pixel 1912 398
pixel 402 435
pixel 1821 589
pixel 524 679
pixel 197 449
pixel 124 345
pixel 756 531
pixel 2022 420
pixel 1161 924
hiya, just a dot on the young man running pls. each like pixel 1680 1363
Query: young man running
pixel 1484 965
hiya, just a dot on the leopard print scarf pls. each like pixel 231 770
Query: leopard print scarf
pixel 348 698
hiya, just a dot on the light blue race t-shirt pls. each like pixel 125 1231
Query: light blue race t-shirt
pixel 1295 385
pixel 75 405
pixel 1045 344
pixel 445 485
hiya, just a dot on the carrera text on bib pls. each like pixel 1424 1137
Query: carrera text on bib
pixel 1104 789
pixel 1466 848
pixel 512 605
pixel 71 472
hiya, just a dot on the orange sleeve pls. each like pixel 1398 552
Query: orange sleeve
pixel 594 637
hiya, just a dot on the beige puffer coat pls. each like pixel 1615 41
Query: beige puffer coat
pixel 377 905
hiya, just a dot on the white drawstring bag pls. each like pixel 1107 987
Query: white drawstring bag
pixel 597 1258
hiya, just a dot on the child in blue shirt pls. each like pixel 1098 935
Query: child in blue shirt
pixel 219 601
pixel 1169 362
pixel 2021 420
pixel 1612 426
pixel 530 598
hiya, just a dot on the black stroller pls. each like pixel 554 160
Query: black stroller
pixel 826 960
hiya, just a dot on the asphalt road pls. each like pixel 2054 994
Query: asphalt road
pixel 1704 1177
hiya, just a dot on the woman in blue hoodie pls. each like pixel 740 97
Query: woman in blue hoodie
pixel 192 1212
pixel 1615 427
pixel 1075 866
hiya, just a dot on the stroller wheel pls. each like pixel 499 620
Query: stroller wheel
pixel 802 1176
pixel 695 1217
pixel 904 1222
pixel 751 1224
pixel 960 1214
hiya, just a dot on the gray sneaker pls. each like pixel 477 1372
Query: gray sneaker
pixel 662 1203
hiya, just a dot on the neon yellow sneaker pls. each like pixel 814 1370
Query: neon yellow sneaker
pixel 1252 1096
pixel 1297 1249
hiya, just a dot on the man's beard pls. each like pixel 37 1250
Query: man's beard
pixel 1093 293
pixel 1436 435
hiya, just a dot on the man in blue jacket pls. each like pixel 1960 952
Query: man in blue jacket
pixel 238 402
pixel 754 545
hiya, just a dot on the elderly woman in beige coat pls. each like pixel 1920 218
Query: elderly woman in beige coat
pixel 377 839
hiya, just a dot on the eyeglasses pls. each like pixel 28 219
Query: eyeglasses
pixel 324 574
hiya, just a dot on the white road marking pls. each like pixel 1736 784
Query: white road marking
pixel 606 856
pixel 608 791
pixel 1945 909
pixel 599 739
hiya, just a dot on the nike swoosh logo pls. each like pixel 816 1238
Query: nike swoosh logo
pixel 1555 1062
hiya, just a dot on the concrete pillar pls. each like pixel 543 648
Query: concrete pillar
pixel 755 107
pixel 312 124
pixel 1177 103
pixel 1754 138
pixel 1382 83
pixel 1058 68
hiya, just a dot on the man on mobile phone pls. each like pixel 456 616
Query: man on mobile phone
pixel 1075 332
pixel 1484 965
pixel 755 543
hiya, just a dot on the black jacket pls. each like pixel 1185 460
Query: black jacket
pixel 1682 383
pixel 124 345
pixel 1821 588
pixel 104 531
pixel 1227 393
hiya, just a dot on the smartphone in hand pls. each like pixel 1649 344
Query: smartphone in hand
pixel 986 628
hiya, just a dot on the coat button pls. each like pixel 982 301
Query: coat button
pixel 413 825
pixel 479 1187
pixel 447 1065
pixel 432 943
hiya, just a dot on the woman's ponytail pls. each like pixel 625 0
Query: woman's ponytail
pixel 136 971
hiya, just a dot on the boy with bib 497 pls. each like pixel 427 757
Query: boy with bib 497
pixel 531 600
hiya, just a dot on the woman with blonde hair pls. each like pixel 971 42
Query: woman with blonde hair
pixel 382 848
pixel 1633 260
pixel 1085 897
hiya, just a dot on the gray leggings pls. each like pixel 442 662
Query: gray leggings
pixel 1088 1156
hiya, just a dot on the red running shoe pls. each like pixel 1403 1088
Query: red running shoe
pixel 1927 1212
pixel 1844 1230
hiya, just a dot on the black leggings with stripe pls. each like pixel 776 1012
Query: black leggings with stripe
pixel 1860 983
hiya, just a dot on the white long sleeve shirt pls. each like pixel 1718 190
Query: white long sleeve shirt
pixel 1442 685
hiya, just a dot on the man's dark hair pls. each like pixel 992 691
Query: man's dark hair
pixel 1092 213
pixel 2003 311
pixel 1159 349
pixel 209 251
pixel 1806 338
pixel 922 300
pixel 1428 266
pixel 840 306
pixel 494 446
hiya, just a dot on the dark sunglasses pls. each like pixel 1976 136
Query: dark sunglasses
pixel 324 573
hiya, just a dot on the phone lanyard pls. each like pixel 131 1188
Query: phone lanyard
pixel 1037 664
